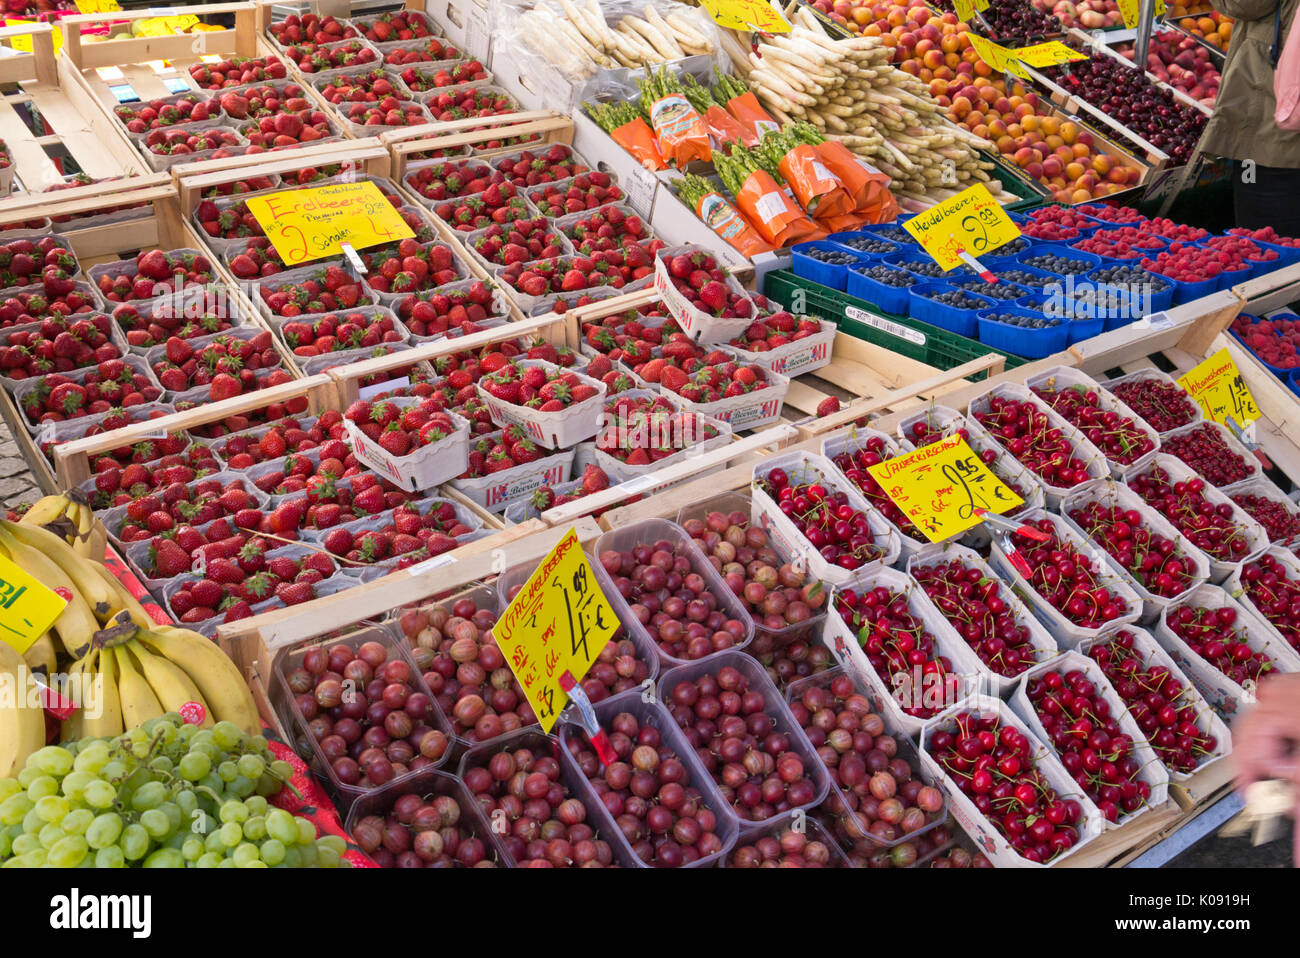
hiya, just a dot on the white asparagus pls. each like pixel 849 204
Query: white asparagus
pixel 665 29
pixel 686 31
pixel 665 47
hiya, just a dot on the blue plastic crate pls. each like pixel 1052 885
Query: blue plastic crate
pixel 889 299
pixel 1012 263
pixel 1281 372
pixel 1293 381
pixel 1186 292
pixel 963 322
pixel 1159 300
pixel 918 255
pixel 1021 340
pixel 1067 252
pixel 828 274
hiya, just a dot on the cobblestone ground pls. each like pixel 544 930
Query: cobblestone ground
pixel 17 484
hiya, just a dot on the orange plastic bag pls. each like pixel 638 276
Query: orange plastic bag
pixel 680 130
pixel 846 222
pixel 639 140
pixel 729 223
pixel 816 188
pixel 775 216
pixel 862 185
pixel 723 127
pixel 753 119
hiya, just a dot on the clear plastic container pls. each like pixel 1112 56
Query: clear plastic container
pixel 773 706
pixel 765 640
pixel 1151 770
pixel 650 531
pixel 290 658
pixel 837 813
pixel 429 783
pixel 632 629
pixel 541 744
pixel 654 715
pixel 813 829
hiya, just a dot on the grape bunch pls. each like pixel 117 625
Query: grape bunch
pixel 163 795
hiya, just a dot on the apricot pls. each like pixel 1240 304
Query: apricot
pixel 1069 132
pixel 1080 195
pixel 1102 163
pixel 1073 171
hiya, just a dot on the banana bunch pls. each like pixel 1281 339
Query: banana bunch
pixel 128 668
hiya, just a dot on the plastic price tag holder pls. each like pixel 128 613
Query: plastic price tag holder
pixel 1010 525
pixel 28 607
pixel 979 267
pixel 599 740
pixel 433 563
pixel 61 707
pixel 1014 556
pixel 354 261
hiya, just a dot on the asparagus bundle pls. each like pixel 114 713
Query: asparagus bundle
pixel 723 218
pixel 627 126
pixel 678 127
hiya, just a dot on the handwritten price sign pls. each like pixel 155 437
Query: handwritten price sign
pixel 1217 385
pixel 941 487
pixel 971 222
pixel 746 15
pixel 559 622
pixel 304 225
pixel 1130 10
pixel 1047 54
pixel 997 56
pixel 28 607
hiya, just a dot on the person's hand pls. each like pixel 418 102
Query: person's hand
pixel 1263 738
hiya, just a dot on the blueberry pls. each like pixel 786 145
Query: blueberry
pixel 834 257
pixel 897 234
pixel 1024 278
pixel 866 244
pixel 922 268
pixel 992 290
pixel 1026 322
pixel 1058 264
pixel 956 298
pixel 889 275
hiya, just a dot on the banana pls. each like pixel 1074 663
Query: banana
pixel 139 704
pixel 125 601
pixel 74 727
pixel 22 729
pixel 79 569
pixel 76 624
pixel 83 520
pixel 218 678
pixel 45 509
pixel 170 683
pixel 109 721
pixel 40 655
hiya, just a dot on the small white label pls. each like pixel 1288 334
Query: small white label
pixel 822 172
pixel 156 435
pixel 366 392
pixel 770 205
pixel 885 325
pixel 639 484
pixel 421 567
pixel 1156 321
pixel 639 187
pixel 353 258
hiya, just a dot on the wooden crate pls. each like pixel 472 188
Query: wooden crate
pixel 72 134
pixel 471 131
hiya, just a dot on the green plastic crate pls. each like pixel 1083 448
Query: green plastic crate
pixel 916 340
pixel 1032 194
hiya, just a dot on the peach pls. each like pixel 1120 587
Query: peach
pixel 1002 105
pixel 933 59
pixel 960 105
pixel 989 94
pixel 1067 196
pixel 1081 151
pixel 924 46
pixel 1035 170
pixel 861 15
pixel 1073 170
pixel 1084 138
pixel 950 44
pixel 1005 144
pixel 1024 110
pixel 1069 132
pixel 938 88
pixel 1102 163
pixel 1118 174
pixel 1053 141
pixel 1080 195
pixel 1024 156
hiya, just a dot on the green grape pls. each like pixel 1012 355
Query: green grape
pixel 149 795
pixel 41 787
pixel 77 821
pixel 292 857
pixel 202 739
pixel 140 748
pixel 227 863
pixel 34 858
pixel 174 814
pixel 110 857
pixel 227 735
pixel 251 766
pixel 32 822
pixel 9 787
pixel 258 745
pixel 15 808
pixel 25 843
pixel 188 803
pixel 194 766
pixel 208 860
pixel 244 854
pixel 104 830
pixel 228 771
pixel 114 770
pixel 234 812
pixel 335 842
pixel 255 828
pixel 29 774
pixel 231 834
pixel 168 727
pixel 134 842
pixel 257 805
pixel 241 787
pixel 192 848
pixel 156 824
pixel 176 840
pixel 282 770
pixel 165 858
pixel 52 760
pixel 212 781
pixel 186 732
pixel 213 843
pixel 52 808
pixel 281 825
pixel 306 831
pixel 273 851
pixel 74 784
pixel 50 834
pixel 161 765
pixel 327 857
pixel 99 794
pixel 92 759
pixel 308 855
pixel 68 852
pixel 256 863
pixel 6 844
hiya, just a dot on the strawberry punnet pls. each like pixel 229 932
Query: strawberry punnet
pixel 698 278
pixel 645 431
pixel 228 365
pixel 409 536
pixel 401 429
pixel 316 57
pixel 57 397
pixel 519 242
pixel 326 290
pixel 59 343
pixel 156 273
pixel 433 312
pixel 400 25
pixel 496 203
pixel 408 266
pixel 537 387
pixel 334 332
pixel 236 71
pixel 586 191
pixel 311 28
pixel 430 50
pixel 165 111
pixel 23 262
pixel 422 80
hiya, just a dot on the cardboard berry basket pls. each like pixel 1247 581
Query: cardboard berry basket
pixel 1064 377
pixel 1092 456
pixel 1143 375
pixel 850 441
pixel 130 268
pixel 806 468
pixel 1152 771
pixel 554 430
pixel 1040 639
pixel 158 354
pixel 746 411
pixel 1235 585
pixel 497 490
pixel 794 358
pixel 191 306
pixel 1068 635
pixel 697 324
pixel 382 312
pixel 115 338
pixel 208 627
pixel 464 514
pixel 976 825
pixel 1149 651
pixel 1229 440
pixel 161 162
pixel 299 275
pixel 620 471
pixel 1178 471
pixel 57 433
pixel 422 468
pixel 469 239
pixel 846 647
pixel 1111 494
pixel 132 362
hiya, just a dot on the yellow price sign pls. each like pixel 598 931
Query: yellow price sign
pixel 966 9
pixel 1131 10
pixel 304 225
pixel 1047 54
pixel 944 487
pixel 24 43
pixel 28 607
pixel 997 56
pixel 97 6
pixel 1217 385
pixel 971 222
pixel 746 15
pixel 559 622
